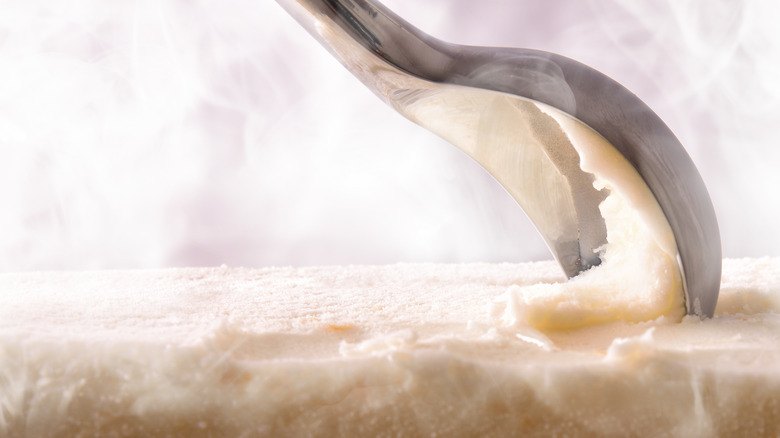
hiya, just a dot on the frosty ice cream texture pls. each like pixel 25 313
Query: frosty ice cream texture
pixel 403 349
pixel 414 350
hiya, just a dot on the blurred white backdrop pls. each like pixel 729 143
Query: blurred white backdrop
pixel 156 133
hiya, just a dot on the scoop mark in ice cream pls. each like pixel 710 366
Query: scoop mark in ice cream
pixel 637 281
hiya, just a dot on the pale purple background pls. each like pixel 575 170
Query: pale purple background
pixel 169 133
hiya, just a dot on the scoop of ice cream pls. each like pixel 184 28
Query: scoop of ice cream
pixel 638 280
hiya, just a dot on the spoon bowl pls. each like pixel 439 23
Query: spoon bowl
pixel 521 114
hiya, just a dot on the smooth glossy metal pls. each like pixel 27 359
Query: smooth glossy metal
pixel 504 107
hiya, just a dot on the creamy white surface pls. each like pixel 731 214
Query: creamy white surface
pixel 638 280
pixel 409 349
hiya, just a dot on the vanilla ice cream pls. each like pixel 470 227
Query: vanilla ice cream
pixel 411 350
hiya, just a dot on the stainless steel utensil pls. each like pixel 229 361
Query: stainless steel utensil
pixel 518 112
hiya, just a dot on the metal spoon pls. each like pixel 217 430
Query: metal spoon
pixel 516 112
